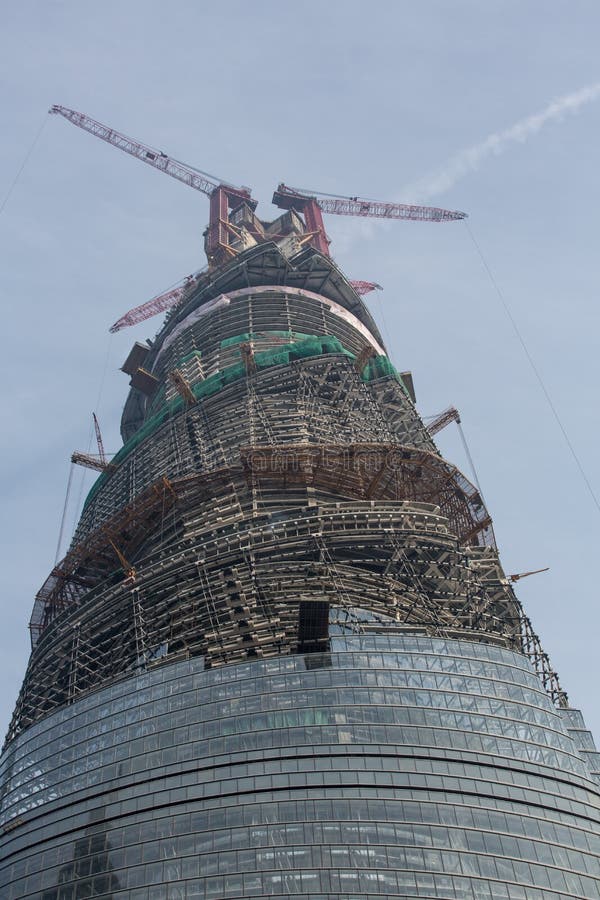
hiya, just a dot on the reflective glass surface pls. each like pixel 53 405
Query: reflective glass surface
pixel 393 766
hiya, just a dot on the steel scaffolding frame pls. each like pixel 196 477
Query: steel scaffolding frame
pixel 279 472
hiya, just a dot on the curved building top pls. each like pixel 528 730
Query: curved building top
pixel 299 272
pixel 272 263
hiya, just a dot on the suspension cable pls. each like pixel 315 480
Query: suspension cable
pixel 534 368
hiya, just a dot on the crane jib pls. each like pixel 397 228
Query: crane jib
pixel 222 237
pixel 378 209
pixel 286 197
pixel 152 157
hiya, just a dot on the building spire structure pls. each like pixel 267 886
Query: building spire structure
pixel 281 657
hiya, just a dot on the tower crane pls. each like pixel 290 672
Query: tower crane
pixel 223 196
pixel 155 305
pixel 96 461
pixel 312 206
pixel 365 287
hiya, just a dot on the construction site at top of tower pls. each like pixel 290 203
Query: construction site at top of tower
pixel 276 484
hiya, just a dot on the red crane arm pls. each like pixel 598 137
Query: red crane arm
pixel 354 206
pixel 148 309
pixel 155 158
pixel 365 287
pixel 157 304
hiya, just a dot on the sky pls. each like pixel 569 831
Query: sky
pixel 492 108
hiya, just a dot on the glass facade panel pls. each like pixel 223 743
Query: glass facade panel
pixel 392 766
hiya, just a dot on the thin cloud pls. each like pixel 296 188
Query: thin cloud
pixel 497 143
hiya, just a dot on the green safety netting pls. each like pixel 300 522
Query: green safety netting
pixel 378 367
pixel 251 336
pixel 307 346
pixel 237 339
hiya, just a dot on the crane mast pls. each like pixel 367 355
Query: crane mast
pixel 99 440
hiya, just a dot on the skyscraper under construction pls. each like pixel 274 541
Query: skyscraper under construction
pixel 281 658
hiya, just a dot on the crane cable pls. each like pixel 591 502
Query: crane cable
pixel 3 203
pixel 78 506
pixel 534 368
pixel 64 515
pixel 13 184
pixel 382 318
pixel 470 458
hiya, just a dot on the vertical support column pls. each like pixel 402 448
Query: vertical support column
pixel 216 236
pixel 314 223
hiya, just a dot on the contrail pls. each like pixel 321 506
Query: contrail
pixel 468 160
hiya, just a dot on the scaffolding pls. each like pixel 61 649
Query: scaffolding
pixel 278 479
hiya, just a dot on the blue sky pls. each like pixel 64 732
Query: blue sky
pixel 342 97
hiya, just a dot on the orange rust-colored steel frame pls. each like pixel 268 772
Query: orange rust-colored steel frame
pixel 87 563
pixel 378 471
